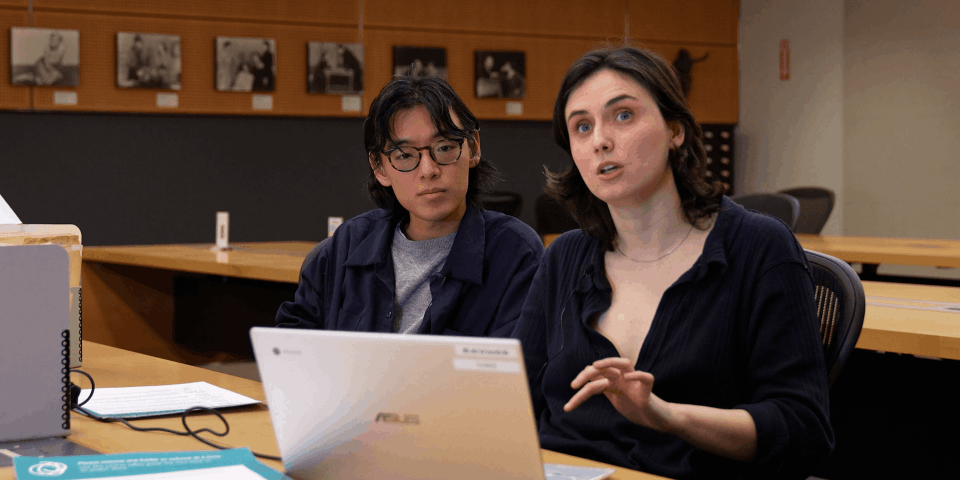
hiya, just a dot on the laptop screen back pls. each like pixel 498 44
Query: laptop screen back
pixel 34 331
pixel 368 405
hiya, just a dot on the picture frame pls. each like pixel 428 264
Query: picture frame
pixel 500 74
pixel 148 60
pixel 335 68
pixel 44 57
pixel 246 64
pixel 420 61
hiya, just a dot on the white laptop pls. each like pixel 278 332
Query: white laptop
pixel 350 405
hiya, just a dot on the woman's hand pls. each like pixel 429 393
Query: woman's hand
pixel 730 433
pixel 628 390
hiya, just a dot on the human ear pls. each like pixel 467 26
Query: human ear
pixel 379 173
pixel 678 135
pixel 474 145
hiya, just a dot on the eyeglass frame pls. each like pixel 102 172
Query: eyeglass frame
pixel 429 148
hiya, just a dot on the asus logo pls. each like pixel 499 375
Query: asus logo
pixel 395 418
pixel 484 351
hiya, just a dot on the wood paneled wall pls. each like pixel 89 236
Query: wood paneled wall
pixel 553 33
pixel 330 12
pixel 11 97
pixel 546 18
pixel 684 21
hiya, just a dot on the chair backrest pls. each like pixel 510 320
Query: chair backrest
pixel 816 203
pixel 779 205
pixel 840 308
pixel 509 203
pixel 551 217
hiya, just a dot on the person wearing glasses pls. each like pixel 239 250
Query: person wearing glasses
pixel 675 333
pixel 430 259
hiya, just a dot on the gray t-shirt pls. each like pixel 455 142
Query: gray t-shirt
pixel 413 265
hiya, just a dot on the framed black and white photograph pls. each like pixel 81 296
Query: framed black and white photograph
pixel 420 61
pixel 246 64
pixel 42 56
pixel 501 74
pixel 335 68
pixel 148 60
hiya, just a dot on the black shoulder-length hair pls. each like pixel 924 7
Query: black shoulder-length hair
pixel 699 195
pixel 439 98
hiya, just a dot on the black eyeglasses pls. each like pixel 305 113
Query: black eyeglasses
pixel 407 158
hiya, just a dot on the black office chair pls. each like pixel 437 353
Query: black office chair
pixel 816 203
pixel 779 205
pixel 840 308
pixel 509 203
pixel 551 217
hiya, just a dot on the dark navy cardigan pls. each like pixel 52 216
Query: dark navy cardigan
pixel 349 284
pixel 736 331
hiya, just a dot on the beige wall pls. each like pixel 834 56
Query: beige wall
pixel 791 132
pixel 902 118
pixel 872 110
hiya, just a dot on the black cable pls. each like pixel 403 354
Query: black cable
pixel 193 433
pixel 93 387
pixel 183 418
pixel 125 422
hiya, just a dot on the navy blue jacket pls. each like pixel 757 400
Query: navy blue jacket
pixel 350 285
pixel 737 331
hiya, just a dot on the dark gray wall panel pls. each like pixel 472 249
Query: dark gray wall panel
pixel 142 179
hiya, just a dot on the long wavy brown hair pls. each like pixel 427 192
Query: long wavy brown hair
pixel 700 195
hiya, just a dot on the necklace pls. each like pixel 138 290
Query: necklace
pixel 668 252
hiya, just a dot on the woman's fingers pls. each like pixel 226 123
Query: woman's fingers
pixel 584 376
pixel 644 377
pixel 604 367
pixel 614 362
pixel 612 376
pixel 589 390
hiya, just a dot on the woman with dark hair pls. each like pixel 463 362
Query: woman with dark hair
pixel 430 259
pixel 676 333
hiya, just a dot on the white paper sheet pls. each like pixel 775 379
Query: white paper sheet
pixel 6 213
pixel 160 400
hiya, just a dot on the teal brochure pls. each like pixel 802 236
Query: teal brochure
pixel 233 464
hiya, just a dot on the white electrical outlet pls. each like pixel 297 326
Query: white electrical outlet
pixel 332 224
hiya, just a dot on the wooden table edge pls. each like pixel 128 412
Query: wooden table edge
pixel 139 259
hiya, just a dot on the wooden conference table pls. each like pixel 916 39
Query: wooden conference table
pixel 902 318
pixel 249 426
pixel 908 318
pixel 128 297
pixel 128 291
pixel 274 261
pixel 872 251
